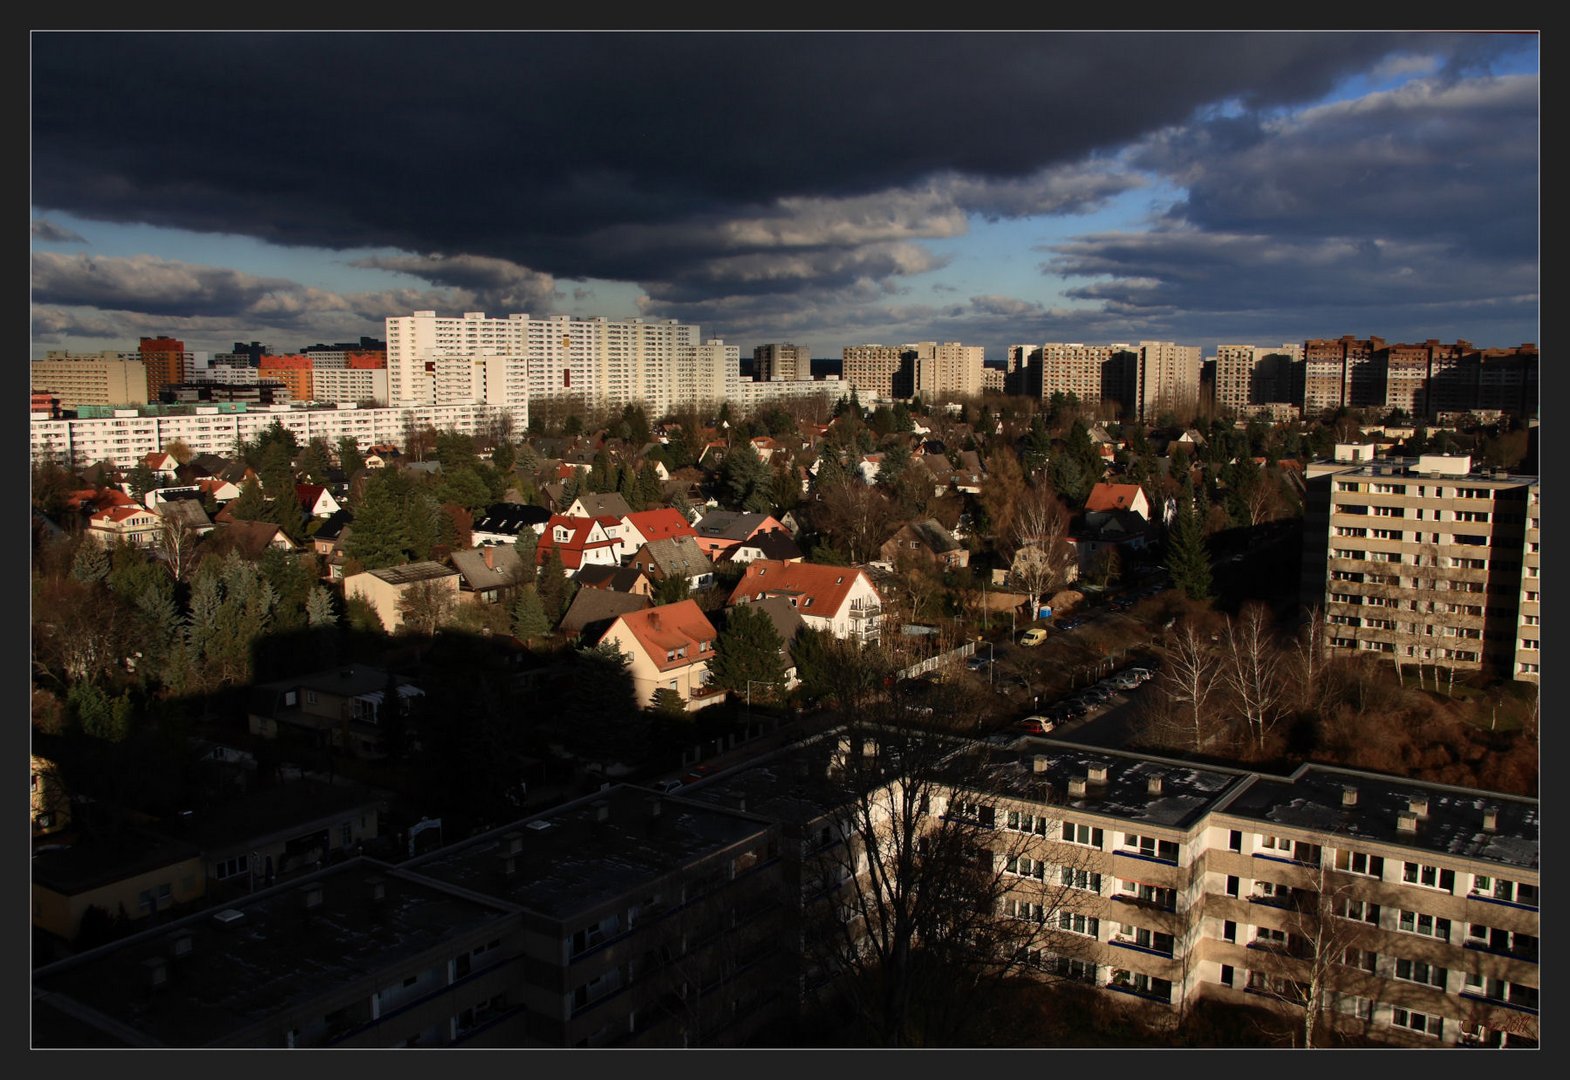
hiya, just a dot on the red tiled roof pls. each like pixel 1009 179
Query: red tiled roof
pixel 1112 497
pixel 670 628
pixel 120 513
pixel 577 542
pixel 661 524
pixel 826 587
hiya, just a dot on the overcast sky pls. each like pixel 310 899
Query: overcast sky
pixel 826 189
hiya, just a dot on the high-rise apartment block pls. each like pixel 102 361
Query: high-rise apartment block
pixel 106 378
pixel 1142 380
pixel 1428 380
pixel 511 362
pixel 781 363
pixel 1249 376
pixel 167 362
pixel 926 369
pixel 1425 560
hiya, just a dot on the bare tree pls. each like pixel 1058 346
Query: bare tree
pixel 1043 557
pixel 857 515
pixel 1187 682
pixel 1250 668
pixel 1308 659
pixel 424 607
pixel 177 540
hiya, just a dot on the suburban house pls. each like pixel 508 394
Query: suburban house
pixel 1105 496
pixel 722 529
pixel 777 544
pixel 491 574
pixel 622 579
pixel 787 624
pixel 186 513
pixel 646 526
pixel 580 541
pixel 593 610
pixel 677 556
pixel 670 647
pixel 316 500
pixel 506 523
pixel 839 599
pixel 219 489
pixel 134 525
pixel 927 542
pixel 1124 531
pixel 164 466
pixel 599 504
pixel 49 801
pixel 250 538
pixel 384 589
pixel 342 707
pixel 137 872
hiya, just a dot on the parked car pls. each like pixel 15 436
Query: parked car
pixel 665 787
pixel 1036 725
pixel 1142 674
pixel 978 663
pixel 698 772
pixel 1125 680
pixel 1096 695
pixel 1034 636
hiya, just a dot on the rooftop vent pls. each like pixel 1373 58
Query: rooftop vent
pixel 1039 763
pixel 1096 774
pixel 844 747
pixel 512 843
pixel 1491 819
pixel 1406 821
pixel 181 944
pixel 157 972
pixel 869 747
pixel 656 805
pixel 602 810
pixel 506 865
pixel 311 896
pixel 1349 796
pixel 1076 787
pixel 1418 804
pixel 376 888
pixel 1153 785
pixel 540 826
pixel 228 917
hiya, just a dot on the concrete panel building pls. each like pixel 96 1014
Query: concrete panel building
pixel 1427 561
pixel 91 378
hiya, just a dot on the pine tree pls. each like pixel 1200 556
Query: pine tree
pixel 1187 559
pixel 748 651
pixel 319 609
pixel 250 504
pixel 91 563
pixel 528 615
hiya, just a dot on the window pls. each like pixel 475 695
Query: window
pixel 1429 877
pixel 1076 923
pixel 1145 985
pixel 1151 848
pixel 1415 922
pixel 1080 879
pixel 1026 867
pixel 1361 959
pixel 1419 1022
pixel 1362 1008
pixel 1069 967
pixel 228 868
pixel 1155 895
pixel 1229 931
pixel 1420 971
pixel 1264 935
pixel 1235 840
pixel 1232 884
pixel 1510 892
pixel 1076 833
pixel 1360 911
pixel 1028 823
pixel 1023 909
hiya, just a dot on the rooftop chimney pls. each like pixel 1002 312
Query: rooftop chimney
pixel 1076 787
pixel 180 945
pixel 157 972
pixel 490 556
pixel 869 747
pixel 1349 796
pixel 376 888
pixel 1406 821
pixel 1096 774
pixel 602 810
pixel 311 896
pixel 1039 763
pixel 1491 819
pixel 656 806
pixel 512 843
pixel 506 865
pixel 1153 785
pixel 1418 804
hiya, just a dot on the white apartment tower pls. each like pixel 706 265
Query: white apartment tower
pixel 509 362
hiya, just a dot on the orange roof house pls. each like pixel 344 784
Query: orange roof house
pixel 1106 496
pixel 669 647
pixel 839 599
pixel 647 526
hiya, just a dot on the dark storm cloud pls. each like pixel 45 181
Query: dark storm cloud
pixel 529 147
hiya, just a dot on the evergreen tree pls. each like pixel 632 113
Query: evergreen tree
pixel 748 650
pixel 277 472
pixel 555 588
pixel 745 477
pixel 528 615
pixel 350 460
pixel 673 590
pixel 651 493
pixel 250 504
pixel 314 460
pixel 91 562
pixel 141 480
pixel 319 611
pixel 1187 559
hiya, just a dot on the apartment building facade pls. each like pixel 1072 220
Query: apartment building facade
pixel 781 362
pixel 106 378
pixel 1249 375
pixel 1426 561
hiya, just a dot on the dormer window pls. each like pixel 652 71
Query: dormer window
pixel 840 580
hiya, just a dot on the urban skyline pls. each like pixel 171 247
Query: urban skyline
pixel 1363 183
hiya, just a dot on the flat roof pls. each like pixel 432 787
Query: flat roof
pixel 570 861
pixel 1453 825
pixel 273 959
